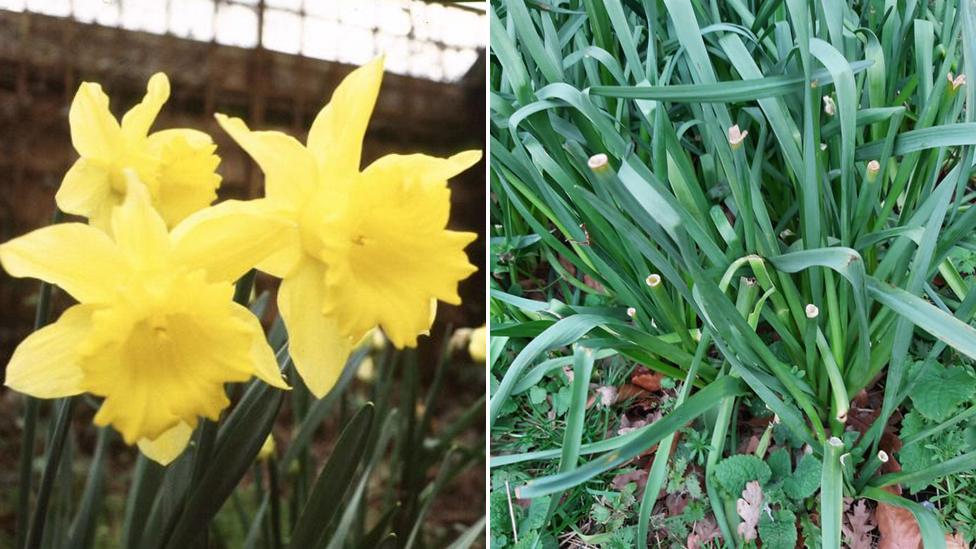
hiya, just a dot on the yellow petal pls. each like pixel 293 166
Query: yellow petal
pixel 138 229
pixel 187 178
pixel 136 122
pixel 420 168
pixel 82 260
pixel 290 173
pixel 265 365
pixel 432 316
pixel 315 344
pixel 84 189
pixel 230 238
pixel 45 365
pixel 94 131
pixel 336 136
pixel 167 446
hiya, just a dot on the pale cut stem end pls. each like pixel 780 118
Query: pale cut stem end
pixel 598 162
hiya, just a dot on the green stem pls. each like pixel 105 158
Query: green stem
pixel 832 493
pixel 275 517
pixel 62 421
pixel 41 317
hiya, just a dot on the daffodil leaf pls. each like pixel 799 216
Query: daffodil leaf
pixel 237 445
pixel 333 482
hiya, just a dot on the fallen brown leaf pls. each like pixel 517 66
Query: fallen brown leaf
pixel 638 476
pixel 956 541
pixel 702 532
pixel 749 445
pixel 646 379
pixel 859 522
pixel 897 526
pixel 628 391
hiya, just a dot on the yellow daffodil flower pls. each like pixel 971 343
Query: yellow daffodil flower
pixel 156 332
pixel 366 248
pixel 478 345
pixel 176 165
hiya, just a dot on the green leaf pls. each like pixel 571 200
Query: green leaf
pixel 333 482
pixel 471 535
pixel 537 395
pixel 778 530
pixel 805 479
pixel 733 473
pixel 235 449
pixel 779 464
pixel 917 456
pixel 956 333
pixel 696 405
pixel 940 390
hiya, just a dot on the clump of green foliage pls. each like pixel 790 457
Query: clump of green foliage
pixel 769 202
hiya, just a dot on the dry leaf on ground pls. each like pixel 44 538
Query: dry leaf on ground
pixel 956 541
pixel 607 394
pixel 897 527
pixel 702 532
pixel 638 476
pixel 749 507
pixel 646 379
pixel 859 523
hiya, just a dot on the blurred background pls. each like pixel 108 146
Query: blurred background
pixel 273 63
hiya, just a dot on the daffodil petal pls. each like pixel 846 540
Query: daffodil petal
pixel 80 259
pixel 167 446
pixel 421 168
pixel 290 172
pixel 45 365
pixel 230 238
pixel 317 347
pixel 138 229
pixel 136 122
pixel 433 316
pixel 94 131
pixel 187 180
pixel 84 189
pixel 336 136
pixel 265 365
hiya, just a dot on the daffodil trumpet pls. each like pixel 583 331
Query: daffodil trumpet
pixel 155 331
pixel 364 248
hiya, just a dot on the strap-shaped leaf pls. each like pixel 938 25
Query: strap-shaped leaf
pixel 333 482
